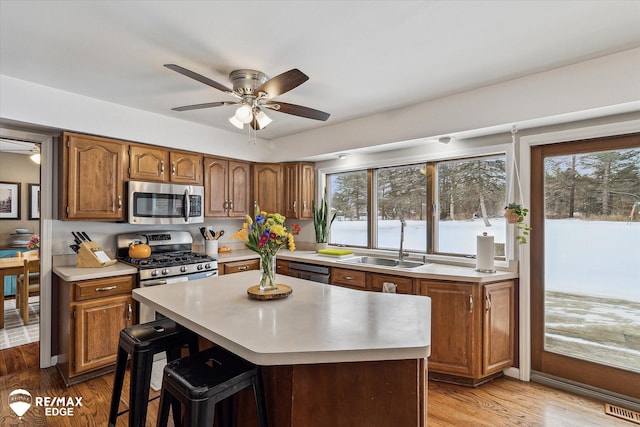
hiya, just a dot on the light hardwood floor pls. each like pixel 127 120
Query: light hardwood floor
pixel 502 402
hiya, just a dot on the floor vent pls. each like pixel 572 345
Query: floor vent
pixel 619 412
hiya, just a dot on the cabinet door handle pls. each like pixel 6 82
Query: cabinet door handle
pixel 119 202
pixel 347 277
pixel 304 205
pixel 129 312
pixel 161 166
pixel 294 205
pixel 488 303
pixel 106 288
pixel 470 303
pixel 225 205
pixel 230 205
pixel 243 267
pixel 173 168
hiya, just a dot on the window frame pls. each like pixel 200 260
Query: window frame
pixel 508 150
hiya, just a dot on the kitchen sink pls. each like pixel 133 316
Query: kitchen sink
pixel 382 262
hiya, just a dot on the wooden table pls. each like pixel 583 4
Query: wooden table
pixel 10 267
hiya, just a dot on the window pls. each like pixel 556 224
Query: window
pixel 445 205
pixel 402 195
pixel 471 200
pixel 349 199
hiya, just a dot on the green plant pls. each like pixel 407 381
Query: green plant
pixel 321 221
pixel 518 213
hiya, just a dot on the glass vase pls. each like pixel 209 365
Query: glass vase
pixel 267 272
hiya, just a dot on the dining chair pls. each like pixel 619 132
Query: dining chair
pixel 29 281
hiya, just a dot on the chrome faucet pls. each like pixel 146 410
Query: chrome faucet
pixel 403 224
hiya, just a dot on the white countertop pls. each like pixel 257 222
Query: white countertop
pixel 71 273
pixel 316 324
pixel 428 271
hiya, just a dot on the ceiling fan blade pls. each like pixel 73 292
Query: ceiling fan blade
pixel 282 83
pixel 297 110
pixel 205 105
pixel 200 78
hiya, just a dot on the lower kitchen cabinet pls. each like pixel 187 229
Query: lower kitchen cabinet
pixel 472 330
pixel 404 285
pixel 349 278
pixel 239 266
pixel 91 315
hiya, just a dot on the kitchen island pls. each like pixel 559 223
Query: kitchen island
pixel 329 355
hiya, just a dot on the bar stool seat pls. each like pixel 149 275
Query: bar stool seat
pixel 201 381
pixel 142 342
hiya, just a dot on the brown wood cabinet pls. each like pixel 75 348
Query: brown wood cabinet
pixel 404 285
pixel 299 190
pixel 268 188
pixel 349 278
pixel 472 329
pixel 91 315
pixel 227 187
pixel 239 266
pixel 150 163
pixel 93 178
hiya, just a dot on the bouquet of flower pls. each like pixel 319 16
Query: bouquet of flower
pixel 34 242
pixel 266 234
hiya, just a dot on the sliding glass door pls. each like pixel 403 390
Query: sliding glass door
pixel 585 268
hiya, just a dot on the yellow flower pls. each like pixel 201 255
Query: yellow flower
pixel 278 229
pixel 241 234
pixel 292 244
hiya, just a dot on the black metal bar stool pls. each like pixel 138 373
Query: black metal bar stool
pixel 201 381
pixel 142 342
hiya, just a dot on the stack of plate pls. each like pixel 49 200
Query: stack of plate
pixel 20 239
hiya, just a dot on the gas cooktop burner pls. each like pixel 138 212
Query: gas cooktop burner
pixel 168 259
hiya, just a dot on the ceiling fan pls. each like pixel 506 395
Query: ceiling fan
pixel 15 146
pixel 254 92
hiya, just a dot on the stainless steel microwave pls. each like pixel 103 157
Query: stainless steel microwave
pixel 158 203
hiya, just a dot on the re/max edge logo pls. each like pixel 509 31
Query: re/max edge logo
pixel 21 400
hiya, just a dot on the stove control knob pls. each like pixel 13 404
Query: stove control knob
pixel 199 267
pixel 154 273
pixel 183 269
pixel 165 271
pixel 207 266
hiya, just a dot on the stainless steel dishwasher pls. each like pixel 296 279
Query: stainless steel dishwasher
pixel 315 273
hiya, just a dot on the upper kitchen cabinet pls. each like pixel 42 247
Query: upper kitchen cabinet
pixel 148 163
pixel 299 189
pixel 227 188
pixel 92 184
pixel 268 187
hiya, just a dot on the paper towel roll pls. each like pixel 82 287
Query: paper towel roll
pixel 485 253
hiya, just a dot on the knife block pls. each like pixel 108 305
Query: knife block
pixel 91 254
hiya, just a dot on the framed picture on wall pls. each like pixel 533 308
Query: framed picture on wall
pixel 9 200
pixel 34 201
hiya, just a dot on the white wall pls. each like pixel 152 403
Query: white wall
pixel 30 103
pixel 603 86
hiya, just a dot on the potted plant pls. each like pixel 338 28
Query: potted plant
pixel 321 222
pixel 515 214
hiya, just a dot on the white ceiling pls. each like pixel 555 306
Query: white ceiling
pixel 362 57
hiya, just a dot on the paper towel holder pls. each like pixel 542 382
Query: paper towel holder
pixel 485 270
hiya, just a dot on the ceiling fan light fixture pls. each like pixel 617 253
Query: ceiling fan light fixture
pixel 237 123
pixel 262 119
pixel 244 114
pixel 35 158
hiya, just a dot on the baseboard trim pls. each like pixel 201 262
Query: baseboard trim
pixel 586 390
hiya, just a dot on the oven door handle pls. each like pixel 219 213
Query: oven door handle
pixel 187 205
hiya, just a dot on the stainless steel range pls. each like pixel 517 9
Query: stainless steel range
pixel 172 260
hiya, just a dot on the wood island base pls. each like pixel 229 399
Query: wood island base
pixel 354 394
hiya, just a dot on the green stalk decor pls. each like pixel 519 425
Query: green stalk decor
pixel 321 220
